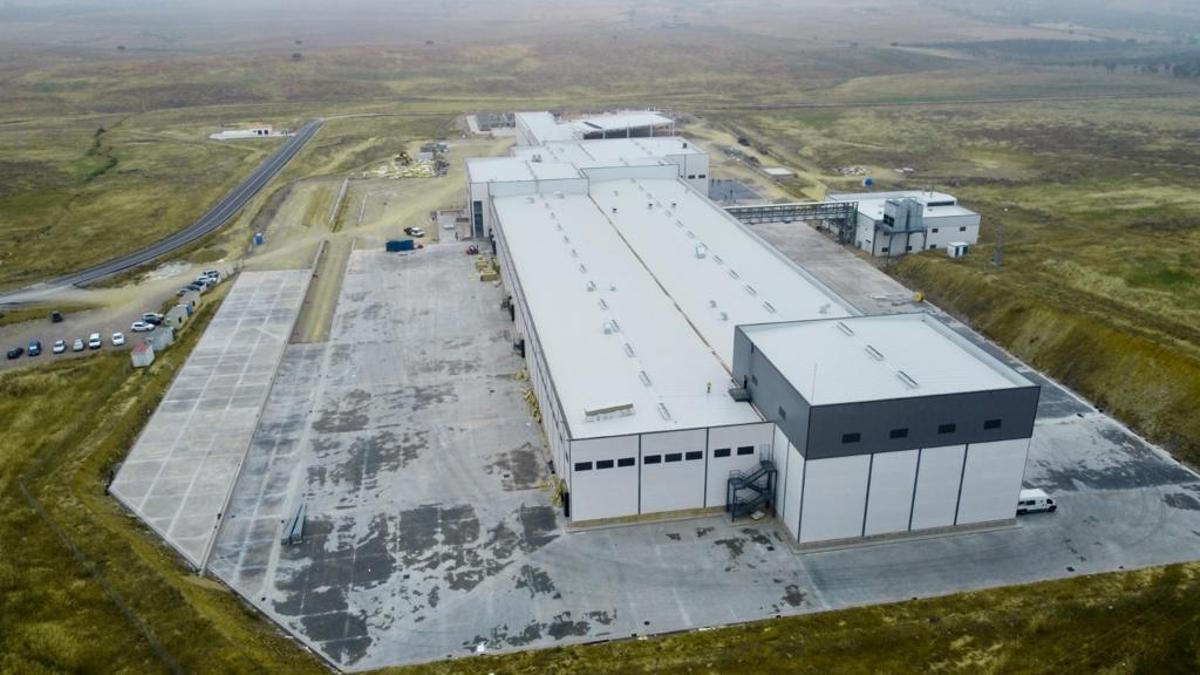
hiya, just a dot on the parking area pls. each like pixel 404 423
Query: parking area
pixel 428 534
pixel 178 475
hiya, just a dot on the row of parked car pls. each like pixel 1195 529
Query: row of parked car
pixel 148 322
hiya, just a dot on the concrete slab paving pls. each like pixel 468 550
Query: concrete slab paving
pixel 428 537
pixel 179 474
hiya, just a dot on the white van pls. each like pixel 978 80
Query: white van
pixel 1034 500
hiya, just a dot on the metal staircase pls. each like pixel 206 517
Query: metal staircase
pixel 746 492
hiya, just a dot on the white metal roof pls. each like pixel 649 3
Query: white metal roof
pixel 620 121
pixel 870 358
pixel 872 203
pixel 608 152
pixel 508 169
pixel 545 128
pixel 609 334
pixel 739 280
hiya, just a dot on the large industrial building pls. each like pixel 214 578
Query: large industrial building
pixel 895 223
pixel 571 160
pixel 539 128
pixel 681 363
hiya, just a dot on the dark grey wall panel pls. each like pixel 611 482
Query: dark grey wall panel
pixel 874 421
pixel 773 395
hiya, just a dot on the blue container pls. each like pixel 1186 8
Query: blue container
pixel 259 239
pixel 397 245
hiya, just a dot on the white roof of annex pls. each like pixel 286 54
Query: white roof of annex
pixel 568 159
pixel 871 204
pixel 608 152
pixel 871 358
pixel 675 273
pixel 546 128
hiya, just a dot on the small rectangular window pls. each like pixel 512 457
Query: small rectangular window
pixel 626 461
pixel 674 456
pixel 851 438
pixel 885 249
pixel 898 433
pixel 583 466
pixel 962 229
pixel 991 424
pixel 782 413
pixel 721 452
pixel 604 464
pixel 651 459
pixel 701 175
pixel 691 176
pixel 745 450
pixel 947 428
pixel 695 454
pixel 935 230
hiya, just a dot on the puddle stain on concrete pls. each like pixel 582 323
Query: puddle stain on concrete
pixel 519 469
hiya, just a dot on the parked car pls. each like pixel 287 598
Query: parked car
pixel 195 287
pixel 78 345
pixel 15 352
pixel 215 275
pixel 59 347
pixel 1034 500
pixel 141 327
pixel 95 341
pixel 182 292
pixel 414 232
pixel 56 317
pixel 118 339
pixel 152 318
pixel 35 347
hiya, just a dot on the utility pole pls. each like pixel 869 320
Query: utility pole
pixel 998 254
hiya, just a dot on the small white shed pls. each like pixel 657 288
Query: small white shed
pixel 957 249
pixel 142 355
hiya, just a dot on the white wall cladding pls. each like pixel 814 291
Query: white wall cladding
pixel 834 494
pixel 732 438
pixel 670 485
pixel 890 498
pixel 792 482
pixel 992 480
pixel 603 490
pixel 938 474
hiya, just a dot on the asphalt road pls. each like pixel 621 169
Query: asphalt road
pixel 220 214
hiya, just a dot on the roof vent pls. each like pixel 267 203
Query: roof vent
pixel 769 307
pixel 908 381
pixel 674 204
pixel 628 350
pixel 712 303
pixel 724 316
pixel 604 412
pixel 825 308
pixel 842 326
pixel 574 253
pixel 874 353
pixel 582 268
pixel 566 240
pixel 650 205
pixel 691 235
pixel 750 290
pixel 717 259
pixel 701 251
pixel 614 209
pixel 591 286
pixel 644 377
pixel 662 410
pixel 734 274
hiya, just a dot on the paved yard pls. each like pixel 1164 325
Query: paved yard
pixel 428 536
pixel 181 470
